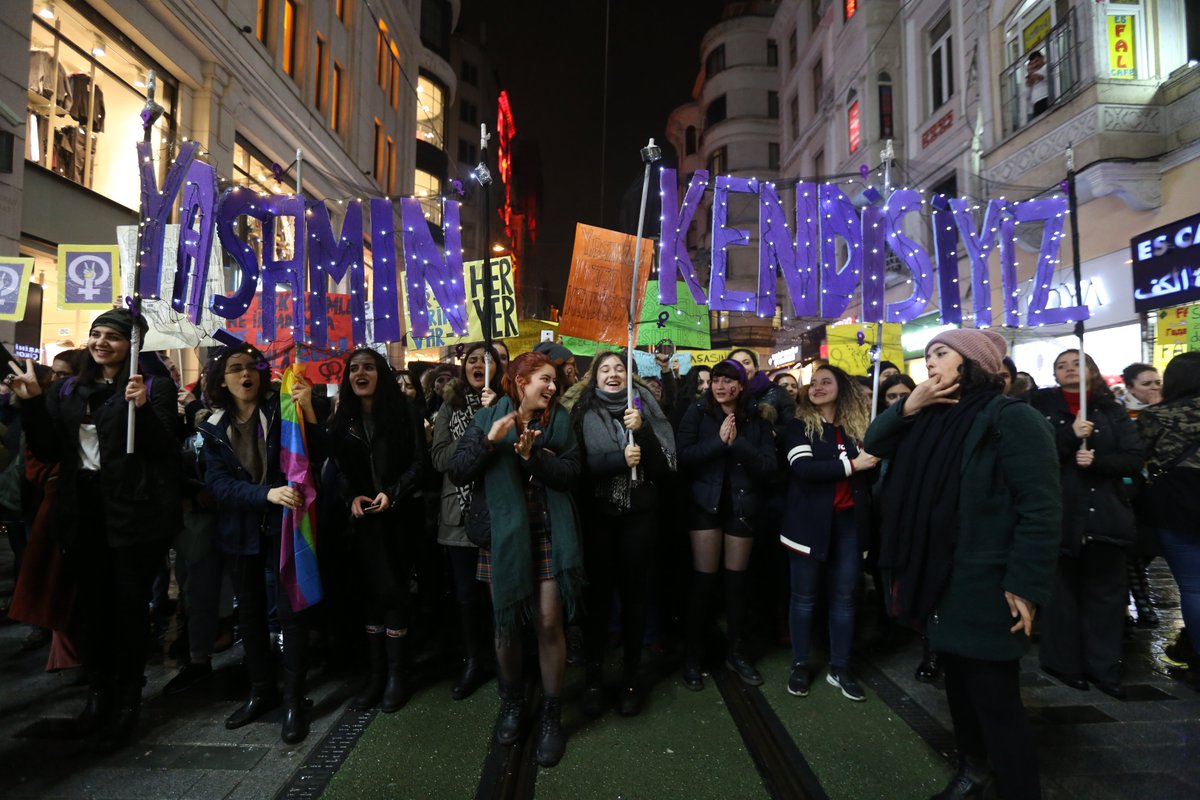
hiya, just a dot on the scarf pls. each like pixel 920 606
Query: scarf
pixel 920 506
pixel 460 420
pixel 514 591
pixel 604 431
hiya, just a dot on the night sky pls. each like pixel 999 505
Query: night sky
pixel 549 56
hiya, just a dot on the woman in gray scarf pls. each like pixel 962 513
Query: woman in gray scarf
pixel 619 517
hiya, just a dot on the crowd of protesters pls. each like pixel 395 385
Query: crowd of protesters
pixel 484 509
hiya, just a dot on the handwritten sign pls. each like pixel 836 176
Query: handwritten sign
pixel 686 323
pixel 597 302
pixel 325 364
pixel 503 321
pixel 1177 330
pixel 529 334
pixel 850 346
pixel 707 358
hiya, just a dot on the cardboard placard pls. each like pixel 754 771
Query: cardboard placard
pixel 597 301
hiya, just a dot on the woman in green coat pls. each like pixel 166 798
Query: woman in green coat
pixel 972 520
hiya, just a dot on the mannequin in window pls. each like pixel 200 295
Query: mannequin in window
pixel 1037 90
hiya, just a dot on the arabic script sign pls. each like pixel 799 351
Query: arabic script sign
pixel 1166 265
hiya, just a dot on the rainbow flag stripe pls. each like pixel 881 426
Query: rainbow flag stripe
pixel 298 543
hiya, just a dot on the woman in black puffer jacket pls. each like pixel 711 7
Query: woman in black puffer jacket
pixel 1081 635
pixel 730 454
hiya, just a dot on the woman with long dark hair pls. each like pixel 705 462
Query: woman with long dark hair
pixel 730 453
pixel 523 459
pixel 971 510
pixel 826 527
pixel 693 386
pixel 116 512
pixel 1171 431
pixel 1082 628
pixel 377 441
pixel 620 517
pixel 476 387
pixel 780 406
pixel 242 469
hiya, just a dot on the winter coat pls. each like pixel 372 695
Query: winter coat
pixel 1170 431
pixel 1010 526
pixel 452 527
pixel 771 402
pixel 600 466
pixel 141 491
pixel 244 515
pixel 398 465
pixel 750 462
pixel 1095 504
pixel 472 455
pixel 815 467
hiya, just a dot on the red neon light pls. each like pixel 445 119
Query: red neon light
pixel 855 130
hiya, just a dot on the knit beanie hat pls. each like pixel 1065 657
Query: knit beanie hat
pixel 986 348
pixel 121 321
pixel 555 352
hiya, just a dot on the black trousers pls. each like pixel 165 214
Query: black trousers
pixel 619 554
pixel 385 561
pixel 990 722
pixel 250 586
pixel 1085 619
pixel 114 595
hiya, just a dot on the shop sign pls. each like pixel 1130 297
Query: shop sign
pixel 1036 31
pixel 1122 60
pixel 1177 330
pixel 1166 265
pixel 782 358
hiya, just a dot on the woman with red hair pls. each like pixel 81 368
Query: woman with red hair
pixel 522 458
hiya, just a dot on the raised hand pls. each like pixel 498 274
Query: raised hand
pixel 524 443
pixel 501 427
pixel 487 396
pixel 23 381
pixel 135 390
pixel 935 391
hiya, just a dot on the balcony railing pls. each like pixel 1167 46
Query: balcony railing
pixel 1020 98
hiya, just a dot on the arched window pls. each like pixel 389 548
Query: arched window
pixel 887 126
pixel 853 121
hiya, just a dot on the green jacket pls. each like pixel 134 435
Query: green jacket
pixel 1010 526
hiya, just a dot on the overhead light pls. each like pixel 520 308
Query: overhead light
pixel 498 248
pixel 46 11
pixel 98 49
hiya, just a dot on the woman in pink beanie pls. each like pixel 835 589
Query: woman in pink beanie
pixel 971 510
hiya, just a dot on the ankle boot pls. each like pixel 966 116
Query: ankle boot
pixel 971 781
pixel 295 708
pixel 741 666
pixel 372 691
pixel 1139 587
pixel 592 701
pixel 508 723
pixel 475 672
pixel 118 732
pixel 395 694
pixel 550 743
pixel 97 711
pixel 263 698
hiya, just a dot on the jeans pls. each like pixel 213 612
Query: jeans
pixel 841 571
pixel 1182 552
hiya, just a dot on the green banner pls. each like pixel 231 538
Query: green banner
pixel 685 323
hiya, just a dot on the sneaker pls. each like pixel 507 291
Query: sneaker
pixel 1178 654
pixel 842 679
pixel 190 675
pixel 798 680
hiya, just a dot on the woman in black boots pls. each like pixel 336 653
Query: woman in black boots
pixel 378 443
pixel 620 517
pixel 242 470
pixel 116 513
pixel 522 457
pixel 464 396
pixel 730 454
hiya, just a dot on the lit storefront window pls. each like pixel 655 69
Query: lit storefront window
pixel 86 92
pixel 428 189
pixel 253 170
pixel 431 110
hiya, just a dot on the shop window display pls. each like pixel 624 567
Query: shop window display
pixel 86 91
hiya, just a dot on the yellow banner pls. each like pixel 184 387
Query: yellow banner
pixel 1177 330
pixel 1122 58
pixel 850 346
pixel 88 276
pixel 707 358
pixel 529 334
pixel 504 307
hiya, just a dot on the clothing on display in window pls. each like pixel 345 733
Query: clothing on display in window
pixel 81 90
pixel 70 153
pixel 41 81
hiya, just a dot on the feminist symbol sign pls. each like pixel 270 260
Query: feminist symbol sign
pixel 14 287
pixel 87 276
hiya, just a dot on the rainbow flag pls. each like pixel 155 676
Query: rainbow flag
pixel 298 543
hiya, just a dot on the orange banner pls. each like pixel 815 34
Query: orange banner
pixel 597 302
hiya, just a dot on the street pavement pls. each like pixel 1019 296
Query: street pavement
pixel 1091 746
